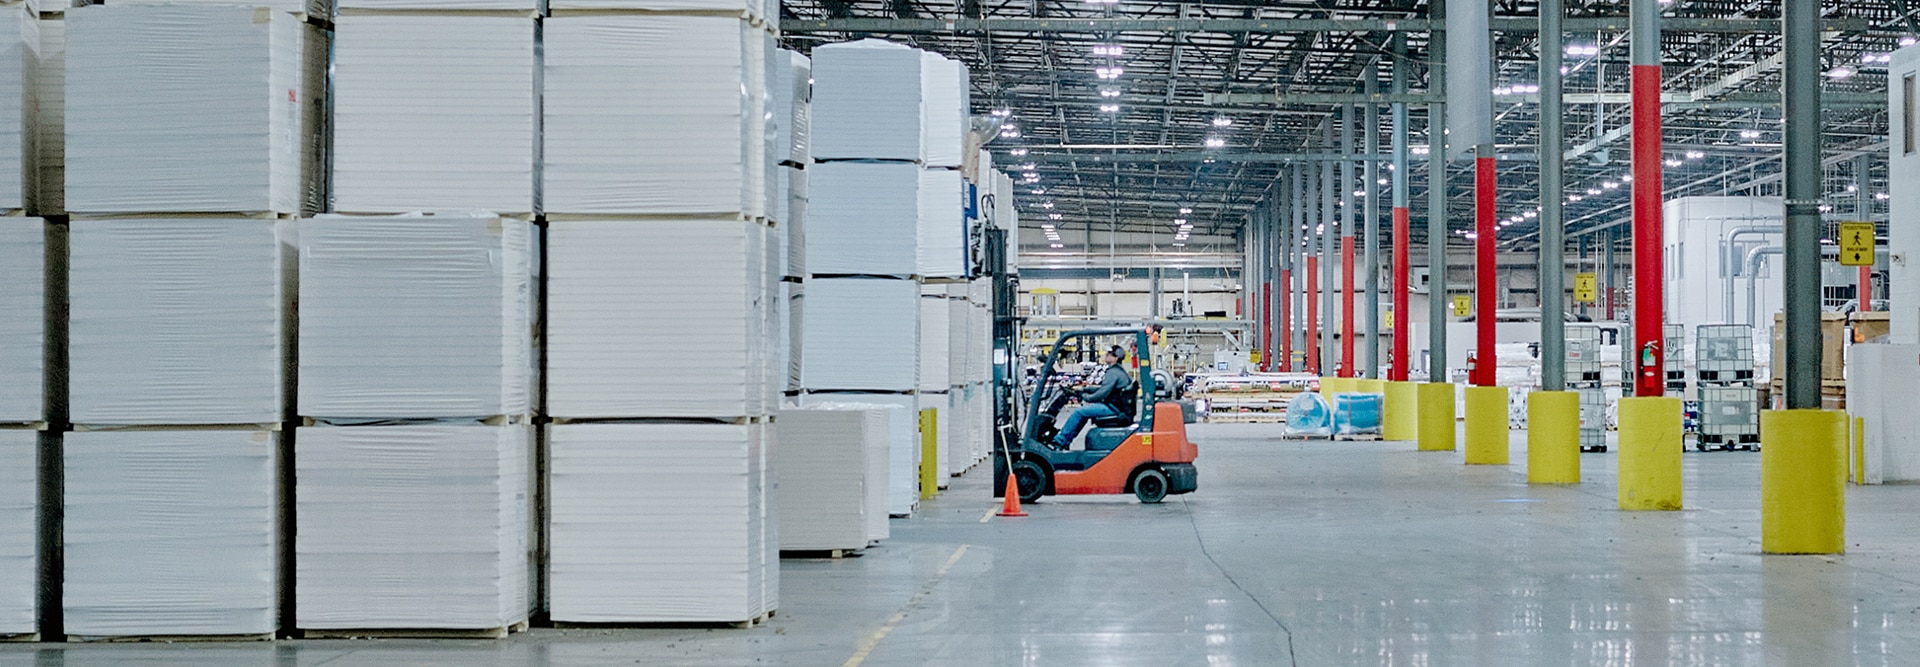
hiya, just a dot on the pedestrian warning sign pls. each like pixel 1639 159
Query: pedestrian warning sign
pixel 1462 305
pixel 1586 288
pixel 1856 244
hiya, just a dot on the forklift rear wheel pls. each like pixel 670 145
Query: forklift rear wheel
pixel 1031 478
pixel 1150 485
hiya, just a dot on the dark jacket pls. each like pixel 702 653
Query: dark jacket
pixel 1115 387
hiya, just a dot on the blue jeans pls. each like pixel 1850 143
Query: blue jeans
pixel 1079 420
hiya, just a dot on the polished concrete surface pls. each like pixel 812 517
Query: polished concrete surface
pixel 1291 553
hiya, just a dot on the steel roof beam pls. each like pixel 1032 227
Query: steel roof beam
pixel 1104 26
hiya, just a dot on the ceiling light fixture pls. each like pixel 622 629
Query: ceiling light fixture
pixel 1108 50
pixel 1109 92
pixel 1017 152
pixel 1695 155
pixel 1215 142
pixel 1110 108
pixel 1841 72
pixel 1109 73
pixel 1222 121
pixel 1184 210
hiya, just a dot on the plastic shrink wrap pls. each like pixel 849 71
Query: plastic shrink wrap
pixel 862 218
pixel 176 321
pixel 420 316
pixel 22 319
pixel 866 101
pixel 433 112
pixel 414 526
pixel 899 465
pixel 828 472
pixel 170 533
pixel 941 250
pixel 861 335
pixel 621 345
pixel 944 106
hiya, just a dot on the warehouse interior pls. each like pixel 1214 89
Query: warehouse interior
pixel 953 332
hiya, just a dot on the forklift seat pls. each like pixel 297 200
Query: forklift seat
pixel 1107 439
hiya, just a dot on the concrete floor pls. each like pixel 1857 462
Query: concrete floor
pixel 1291 553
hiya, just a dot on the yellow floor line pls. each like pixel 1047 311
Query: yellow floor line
pixel 867 646
pixel 989 515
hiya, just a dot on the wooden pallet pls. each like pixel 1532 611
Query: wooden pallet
pixel 740 625
pixel 416 633
pixel 20 638
pixel 169 639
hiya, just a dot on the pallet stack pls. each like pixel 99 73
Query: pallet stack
pixel 833 472
pixel 791 83
pixel 861 332
pixel 663 266
pixel 23 415
pixel 187 134
pixel 941 250
pixel 415 463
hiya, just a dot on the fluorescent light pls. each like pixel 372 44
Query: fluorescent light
pixel 1695 155
pixel 1003 113
pixel 1179 221
pixel 1109 73
pixel 1593 191
pixel 1108 50
pixel 1109 92
pixel 1583 50
pixel 1055 245
pixel 1017 152
pixel 1610 185
pixel 1421 150
pixel 1749 134
pixel 1053 216
pixel 1575 198
pixel 1028 166
pixel 1530 214
pixel 1215 142
pixel 1179 244
pixel 1222 121
pixel 1909 40
pixel 1010 133
pixel 1674 162
pixel 1881 196
pixel 1046 204
pixel 1841 72
pixel 1184 210
pixel 1110 108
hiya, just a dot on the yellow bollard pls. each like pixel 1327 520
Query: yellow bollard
pixel 1859 467
pixel 1650 445
pixel 1332 385
pixel 929 452
pixel 1803 490
pixel 1553 437
pixel 1436 416
pixel 1368 386
pixel 1400 414
pixel 1487 429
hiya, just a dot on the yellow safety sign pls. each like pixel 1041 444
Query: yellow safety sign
pixel 1462 305
pixel 1253 356
pixel 1389 319
pixel 1586 288
pixel 1856 244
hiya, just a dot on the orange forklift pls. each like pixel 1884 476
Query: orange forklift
pixel 1143 451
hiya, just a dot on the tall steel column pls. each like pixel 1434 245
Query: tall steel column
pixel 1803 225
pixel 1347 117
pixel 1277 244
pixel 1402 234
pixel 1284 255
pixel 1295 230
pixel 1484 236
pixel 1329 197
pixel 1437 203
pixel 1370 260
pixel 1310 262
pixel 1649 282
pixel 1553 336
pixel 1264 295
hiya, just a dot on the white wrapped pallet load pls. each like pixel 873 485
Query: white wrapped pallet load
pixel 23 250
pixel 433 112
pixel 861 335
pixel 176 321
pixel 415 316
pixel 735 9
pixel 866 101
pixel 826 474
pixel 900 467
pixel 654 114
pixel 171 533
pixel 19 512
pixel 659 318
pixel 793 220
pixel 862 218
pixel 186 108
pixel 791 84
pixel 438 5
pixel 959 319
pixel 47 74
pixel 413 526
pixel 934 332
pixel 795 295
pixel 944 107
pixel 16 54
pixel 941 249
pixel 652 523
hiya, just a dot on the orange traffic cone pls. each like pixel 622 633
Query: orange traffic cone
pixel 1012 505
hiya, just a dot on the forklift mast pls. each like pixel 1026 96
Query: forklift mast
pixel 1006 331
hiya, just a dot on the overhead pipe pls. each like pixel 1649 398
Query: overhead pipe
pixel 1727 260
pixel 1753 275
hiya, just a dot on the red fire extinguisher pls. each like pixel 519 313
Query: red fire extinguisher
pixel 1473 368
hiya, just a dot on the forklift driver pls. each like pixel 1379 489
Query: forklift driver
pixel 1111 400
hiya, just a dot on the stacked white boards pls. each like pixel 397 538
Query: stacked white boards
pixel 415 466
pixel 22 417
pixel 861 332
pixel 833 475
pixel 791 83
pixel 664 368
pixel 189 134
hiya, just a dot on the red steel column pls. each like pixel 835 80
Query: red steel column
pixel 1266 328
pixel 1866 289
pixel 1313 314
pixel 1286 321
pixel 1402 294
pixel 1649 281
pixel 1484 302
pixel 1346 306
